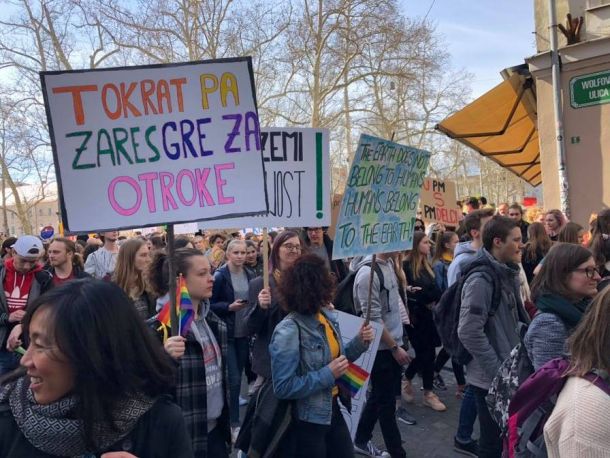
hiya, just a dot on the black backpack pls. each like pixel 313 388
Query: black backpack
pixel 447 310
pixel 344 297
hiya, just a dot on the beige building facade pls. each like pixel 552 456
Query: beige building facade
pixel 585 88
pixel 44 213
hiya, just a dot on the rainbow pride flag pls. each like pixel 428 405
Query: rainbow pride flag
pixel 353 379
pixel 184 309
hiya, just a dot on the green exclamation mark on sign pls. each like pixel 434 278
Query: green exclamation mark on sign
pixel 319 190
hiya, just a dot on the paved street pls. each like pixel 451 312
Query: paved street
pixel 433 435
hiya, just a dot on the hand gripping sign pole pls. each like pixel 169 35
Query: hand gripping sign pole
pixel 265 258
pixel 173 314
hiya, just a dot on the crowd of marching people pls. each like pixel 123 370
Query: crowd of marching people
pixel 517 309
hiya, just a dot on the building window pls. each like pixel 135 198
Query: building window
pixel 40 212
pixel 50 211
pixel 12 230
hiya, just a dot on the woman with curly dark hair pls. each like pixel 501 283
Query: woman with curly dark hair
pixel 307 356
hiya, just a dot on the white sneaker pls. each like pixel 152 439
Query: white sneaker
pixel 370 449
pixel 234 433
pixel 255 385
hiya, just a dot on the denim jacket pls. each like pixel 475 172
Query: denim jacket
pixel 300 355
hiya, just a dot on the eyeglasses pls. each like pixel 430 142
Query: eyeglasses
pixel 291 247
pixel 419 228
pixel 589 272
pixel 314 229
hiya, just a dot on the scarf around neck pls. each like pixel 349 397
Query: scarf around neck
pixel 570 312
pixel 52 428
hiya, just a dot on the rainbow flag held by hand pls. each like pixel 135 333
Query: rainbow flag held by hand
pixel 184 309
pixel 353 379
pixel 186 313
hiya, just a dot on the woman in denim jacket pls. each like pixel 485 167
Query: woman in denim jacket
pixel 307 356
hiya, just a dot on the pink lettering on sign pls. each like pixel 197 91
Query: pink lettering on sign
pixel 183 189
pixel 113 202
pixel 221 182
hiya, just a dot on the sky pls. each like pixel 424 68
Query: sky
pixel 483 36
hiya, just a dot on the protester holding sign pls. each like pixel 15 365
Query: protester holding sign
pixel 385 376
pixel 230 302
pixel 265 311
pixel 96 382
pixel 307 356
pixel 202 384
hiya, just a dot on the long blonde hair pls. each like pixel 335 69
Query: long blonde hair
pixel 125 274
pixel 589 344
pixel 416 260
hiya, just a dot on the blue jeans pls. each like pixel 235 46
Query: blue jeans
pixel 236 359
pixel 8 362
pixel 468 415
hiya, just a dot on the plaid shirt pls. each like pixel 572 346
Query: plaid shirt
pixel 191 388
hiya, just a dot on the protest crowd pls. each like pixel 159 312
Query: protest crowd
pixel 514 304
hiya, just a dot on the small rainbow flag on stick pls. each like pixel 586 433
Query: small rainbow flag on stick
pixel 353 379
pixel 184 310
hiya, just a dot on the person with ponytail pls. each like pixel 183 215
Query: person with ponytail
pixel 202 389
pixel 130 274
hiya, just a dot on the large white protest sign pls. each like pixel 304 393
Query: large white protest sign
pixel 297 168
pixel 150 145
pixel 379 205
pixel 350 326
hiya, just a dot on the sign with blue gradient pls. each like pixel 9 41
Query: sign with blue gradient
pixel 380 201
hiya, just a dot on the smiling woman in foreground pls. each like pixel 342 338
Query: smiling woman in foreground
pixel 93 381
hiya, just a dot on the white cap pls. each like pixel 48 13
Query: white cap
pixel 29 247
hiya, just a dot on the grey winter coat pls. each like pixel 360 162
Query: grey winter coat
pixel 384 304
pixel 489 339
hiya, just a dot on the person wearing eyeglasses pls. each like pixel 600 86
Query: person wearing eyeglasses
pixel 562 291
pixel 318 242
pixel 264 311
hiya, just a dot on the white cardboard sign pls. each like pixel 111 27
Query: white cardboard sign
pixel 150 145
pixel 350 326
pixel 297 168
